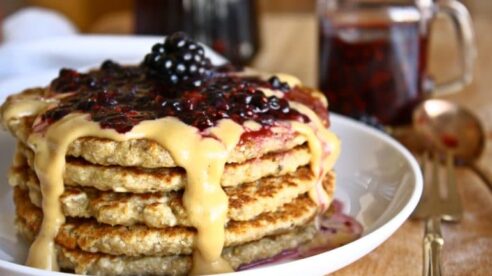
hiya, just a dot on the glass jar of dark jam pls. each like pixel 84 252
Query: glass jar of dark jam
pixel 373 56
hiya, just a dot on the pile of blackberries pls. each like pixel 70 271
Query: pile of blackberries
pixel 178 60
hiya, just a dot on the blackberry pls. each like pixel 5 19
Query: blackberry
pixel 178 60
pixel 260 104
pixel 277 84
pixel 274 103
pixel 109 65
pixel 68 80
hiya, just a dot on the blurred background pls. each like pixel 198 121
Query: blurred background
pixel 223 25
pixel 281 35
pixel 273 18
pixel 275 29
pixel 117 16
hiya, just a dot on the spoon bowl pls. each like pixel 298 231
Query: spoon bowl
pixel 447 127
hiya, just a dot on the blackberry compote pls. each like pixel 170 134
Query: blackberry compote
pixel 120 97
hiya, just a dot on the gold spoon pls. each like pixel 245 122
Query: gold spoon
pixel 448 127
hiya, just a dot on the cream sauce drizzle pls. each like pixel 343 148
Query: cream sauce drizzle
pixel 323 144
pixel 22 107
pixel 324 147
pixel 289 79
pixel 252 125
pixel 269 92
pixel 203 158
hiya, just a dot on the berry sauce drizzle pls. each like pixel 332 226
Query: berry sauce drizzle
pixel 120 97
pixel 335 229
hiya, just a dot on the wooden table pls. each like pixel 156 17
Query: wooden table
pixel 289 45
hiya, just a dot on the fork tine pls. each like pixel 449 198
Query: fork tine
pixel 433 240
pixel 453 200
pixel 434 192
pixel 434 206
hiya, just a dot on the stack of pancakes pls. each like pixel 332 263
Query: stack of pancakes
pixel 169 167
pixel 124 210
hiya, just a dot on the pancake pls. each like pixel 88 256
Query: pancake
pixel 165 209
pixel 142 180
pixel 137 240
pixel 149 154
pixel 82 262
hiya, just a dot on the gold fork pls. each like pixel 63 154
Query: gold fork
pixel 440 201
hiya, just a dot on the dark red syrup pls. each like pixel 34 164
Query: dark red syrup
pixel 376 70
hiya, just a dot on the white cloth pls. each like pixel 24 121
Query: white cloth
pixel 30 24
pixel 23 29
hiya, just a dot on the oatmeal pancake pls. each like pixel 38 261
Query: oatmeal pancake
pixel 149 154
pixel 82 262
pixel 144 180
pixel 165 209
pixel 136 240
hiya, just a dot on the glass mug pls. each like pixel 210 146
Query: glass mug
pixel 373 56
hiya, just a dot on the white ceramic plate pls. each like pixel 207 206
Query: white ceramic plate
pixel 378 181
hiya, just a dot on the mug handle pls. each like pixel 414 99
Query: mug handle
pixel 462 23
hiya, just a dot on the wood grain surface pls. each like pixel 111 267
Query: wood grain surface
pixel 289 45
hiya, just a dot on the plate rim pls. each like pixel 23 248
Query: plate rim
pixel 379 234
pixel 373 239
